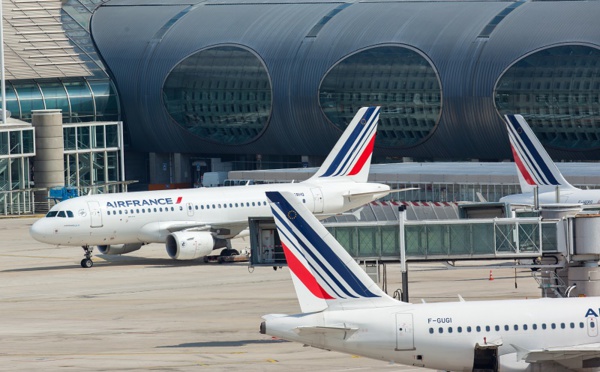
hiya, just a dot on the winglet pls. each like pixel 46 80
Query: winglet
pixel 351 155
pixel 534 165
pixel 324 274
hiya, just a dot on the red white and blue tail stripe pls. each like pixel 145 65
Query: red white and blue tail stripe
pixel 534 165
pixel 351 155
pixel 324 274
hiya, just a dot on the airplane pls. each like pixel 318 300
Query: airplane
pixel 344 310
pixel 535 168
pixel 194 222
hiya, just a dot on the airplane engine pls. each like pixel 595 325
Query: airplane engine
pixel 119 248
pixel 184 245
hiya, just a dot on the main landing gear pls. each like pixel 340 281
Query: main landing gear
pixel 87 262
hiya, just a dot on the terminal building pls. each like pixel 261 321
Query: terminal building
pixel 241 85
pixel 267 84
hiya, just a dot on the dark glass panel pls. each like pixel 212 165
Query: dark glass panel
pixel 399 79
pixel 82 105
pixel 222 94
pixel 56 98
pixel 30 98
pixel 554 91
pixel 105 97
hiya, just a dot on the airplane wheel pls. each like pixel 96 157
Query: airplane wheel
pixel 86 263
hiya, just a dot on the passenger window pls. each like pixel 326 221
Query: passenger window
pixel 230 205
pixel 131 211
pixel 160 209
pixel 478 328
pixel 469 329
pixel 154 210
pixel 487 328
pixel 506 327
pixel 196 207
pixel 173 209
pixel 253 204
pixel 213 206
pixel 516 327
pixel 459 329
pixel 553 326
pixel 61 214
pixel 441 330
pixel 543 325
pixel 219 205
pixel 108 213
pixel 431 330
pixel 120 211
pixel 236 205
pixel 247 204
pixel 497 328
pixel 524 327
pixel 51 214
pixel 572 325
pixel 137 211
pixel 69 214
pixel 562 325
pixel 449 329
pixel 534 326
pixel 125 211
pixel 581 325
pixel 181 208
pixel 224 205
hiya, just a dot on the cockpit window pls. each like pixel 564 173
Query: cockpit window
pixel 51 214
pixel 61 214
pixel 69 214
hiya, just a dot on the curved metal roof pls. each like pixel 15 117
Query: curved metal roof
pixel 300 41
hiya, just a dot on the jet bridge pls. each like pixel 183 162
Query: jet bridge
pixel 447 240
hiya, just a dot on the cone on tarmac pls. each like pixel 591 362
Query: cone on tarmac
pixel 491 276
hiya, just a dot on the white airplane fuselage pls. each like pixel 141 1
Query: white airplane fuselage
pixel 148 217
pixel 588 198
pixel 444 335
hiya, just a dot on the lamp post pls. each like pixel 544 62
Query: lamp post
pixel 2 77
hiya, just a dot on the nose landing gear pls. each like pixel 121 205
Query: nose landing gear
pixel 87 262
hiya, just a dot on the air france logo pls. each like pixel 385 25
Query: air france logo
pixel 591 312
pixel 142 202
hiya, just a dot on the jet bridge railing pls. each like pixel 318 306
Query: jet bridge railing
pixel 467 239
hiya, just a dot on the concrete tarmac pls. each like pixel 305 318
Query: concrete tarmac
pixel 144 311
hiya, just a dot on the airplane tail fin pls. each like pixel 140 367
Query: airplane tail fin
pixel 351 155
pixel 534 165
pixel 325 276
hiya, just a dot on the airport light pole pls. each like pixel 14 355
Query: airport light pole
pixel 2 77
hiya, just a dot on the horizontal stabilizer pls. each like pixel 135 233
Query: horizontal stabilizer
pixel 341 333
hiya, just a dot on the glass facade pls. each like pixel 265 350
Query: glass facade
pixel 221 94
pixel 92 156
pixel 80 100
pixel 17 149
pixel 558 91
pixel 399 79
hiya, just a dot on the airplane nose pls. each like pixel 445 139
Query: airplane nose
pixel 39 231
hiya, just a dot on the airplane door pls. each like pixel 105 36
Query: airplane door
pixel 95 214
pixel 404 332
pixel 592 326
pixel 318 199
pixel 190 209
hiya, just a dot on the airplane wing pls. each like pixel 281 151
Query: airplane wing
pixel 561 355
pixel 155 230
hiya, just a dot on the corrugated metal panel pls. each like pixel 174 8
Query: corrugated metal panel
pixel 446 32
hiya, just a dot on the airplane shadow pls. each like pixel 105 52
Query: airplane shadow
pixel 225 343
pixel 111 260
